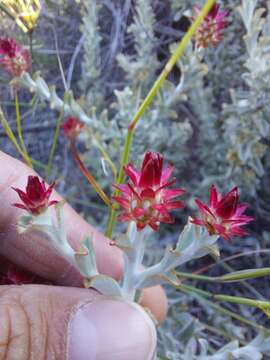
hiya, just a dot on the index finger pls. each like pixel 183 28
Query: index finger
pixel 32 251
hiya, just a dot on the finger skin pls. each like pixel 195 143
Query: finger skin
pixel 46 323
pixel 23 249
pixel 32 252
pixel 155 300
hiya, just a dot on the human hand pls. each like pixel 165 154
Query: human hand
pixel 64 322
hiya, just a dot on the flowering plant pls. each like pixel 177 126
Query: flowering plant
pixel 210 31
pixel 36 197
pixel 224 215
pixel 148 201
pixel 144 195
pixel 145 206
pixel 13 57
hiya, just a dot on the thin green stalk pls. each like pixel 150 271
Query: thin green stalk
pixel 206 296
pixel 19 130
pixel 237 275
pixel 243 301
pixel 54 144
pixel 124 160
pixel 230 277
pixel 244 274
pixel 183 276
pixel 11 136
pixel 150 97
pixel 39 164
pixel 263 305
pixel 245 284
pixel 192 289
pixel 232 257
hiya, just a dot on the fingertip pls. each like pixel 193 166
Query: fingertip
pixel 155 299
pixel 42 259
pixel 111 329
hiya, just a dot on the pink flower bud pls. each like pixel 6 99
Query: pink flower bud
pixel 210 31
pixel 13 57
pixel 72 127
pixel 36 197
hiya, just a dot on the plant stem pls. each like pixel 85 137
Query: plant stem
pixel 120 178
pixel 133 262
pixel 19 130
pixel 54 144
pixel 11 136
pixel 183 276
pixel 243 301
pixel 263 305
pixel 206 295
pixel 88 175
pixel 150 97
pixel 230 277
pixel 39 164
pixel 245 284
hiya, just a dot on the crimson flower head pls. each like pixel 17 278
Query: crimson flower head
pixel 13 57
pixel 36 197
pixel 224 215
pixel 210 31
pixel 146 199
pixel 72 127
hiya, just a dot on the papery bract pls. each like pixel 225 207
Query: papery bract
pixel 224 215
pixel 209 34
pixel 36 197
pixel 13 57
pixel 147 199
pixel 72 127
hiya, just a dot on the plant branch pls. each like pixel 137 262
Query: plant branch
pixel 88 175
pixel 230 277
pixel 19 130
pixel 206 296
pixel 54 144
pixel 11 136
pixel 38 85
pixel 150 97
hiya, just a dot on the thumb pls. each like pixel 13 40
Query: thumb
pixel 46 322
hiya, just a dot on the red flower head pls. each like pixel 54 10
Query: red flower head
pixel 147 200
pixel 36 197
pixel 72 127
pixel 224 215
pixel 209 33
pixel 14 58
